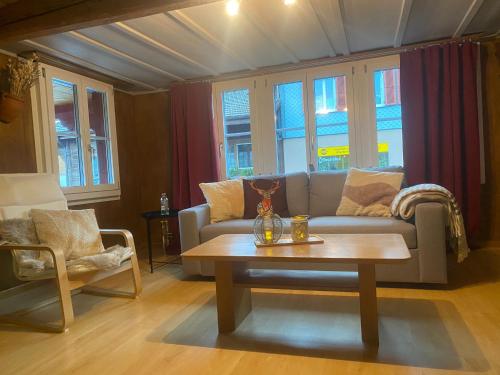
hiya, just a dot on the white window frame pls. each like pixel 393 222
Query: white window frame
pixel 46 137
pixel 267 123
pixel 218 89
pixel 360 102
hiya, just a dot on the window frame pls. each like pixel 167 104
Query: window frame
pixel 266 85
pixel 370 129
pixel 360 102
pixel 46 136
pixel 218 89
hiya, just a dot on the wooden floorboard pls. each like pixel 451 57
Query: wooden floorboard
pixel 172 329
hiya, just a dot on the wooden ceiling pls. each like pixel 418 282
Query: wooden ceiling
pixel 151 52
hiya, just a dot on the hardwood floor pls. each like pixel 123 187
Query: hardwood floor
pixel 172 329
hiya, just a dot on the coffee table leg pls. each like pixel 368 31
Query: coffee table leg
pixel 368 303
pixel 233 303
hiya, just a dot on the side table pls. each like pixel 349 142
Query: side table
pixel 156 215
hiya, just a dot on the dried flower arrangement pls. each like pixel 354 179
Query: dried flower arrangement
pixel 21 75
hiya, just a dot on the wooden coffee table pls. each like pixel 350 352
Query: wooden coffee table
pixel 234 280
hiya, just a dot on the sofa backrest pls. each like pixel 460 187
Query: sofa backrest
pixel 297 193
pixel 325 192
pixel 318 193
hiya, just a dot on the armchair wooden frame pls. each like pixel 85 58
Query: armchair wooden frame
pixel 80 282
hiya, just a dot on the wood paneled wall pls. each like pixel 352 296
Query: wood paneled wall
pixel 17 145
pixel 490 194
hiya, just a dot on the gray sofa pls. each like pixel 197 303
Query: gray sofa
pixel 318 194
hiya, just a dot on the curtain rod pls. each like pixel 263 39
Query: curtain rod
pixel 333 60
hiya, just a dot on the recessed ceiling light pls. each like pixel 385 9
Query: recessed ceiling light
pixel 232 7
pixel 289 2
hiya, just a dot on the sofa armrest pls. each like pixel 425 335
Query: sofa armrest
pixel 191 220
pixel 430 221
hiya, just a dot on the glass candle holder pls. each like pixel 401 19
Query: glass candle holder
pixel 268 229
pixel 300 228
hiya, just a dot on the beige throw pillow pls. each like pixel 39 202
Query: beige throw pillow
pixel 225 199
pixel 75 232
pixel 369 193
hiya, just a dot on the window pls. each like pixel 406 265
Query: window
pixel 100 141
pixel 388 117
pixel 67 128
pixel 323 118
pixel 290 127
pixel 331 127
pixel 237 132
pixel 75 135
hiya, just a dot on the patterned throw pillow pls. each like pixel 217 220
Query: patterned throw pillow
pixel 75 232
pixel 225 199
pixel 369 193
pixel 253 198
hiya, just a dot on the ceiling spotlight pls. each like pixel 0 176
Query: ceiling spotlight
pixel 289 2
pixel 232 7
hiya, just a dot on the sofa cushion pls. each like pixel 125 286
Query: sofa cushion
pixel 225 199
pixel 323 225
pixel 239 226
pixel 364 224
pixel 369 193
pixel 325 192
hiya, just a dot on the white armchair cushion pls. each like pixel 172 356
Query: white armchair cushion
pixel 21 192
pixel 74 232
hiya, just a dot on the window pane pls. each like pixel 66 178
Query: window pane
pixel 102 162
pixel 237 134
pixel 98 113
pixel 388 117
pixel 332 130
pixel 68 133
pixel 290 128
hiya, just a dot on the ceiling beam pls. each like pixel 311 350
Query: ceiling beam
pixel 123 55
pixel 323 28
pixel 26 19
pixel 469 15
pixel 204 34
pixel 85 64
pixel 162 47
pixel 330 15
pixel 404 15
pixel 254 18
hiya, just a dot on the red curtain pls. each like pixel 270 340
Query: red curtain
pixel 440 122
pixel 193 142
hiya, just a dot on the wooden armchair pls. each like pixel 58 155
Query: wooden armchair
pixel 19 193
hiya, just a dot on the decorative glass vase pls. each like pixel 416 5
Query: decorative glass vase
pixel 268 229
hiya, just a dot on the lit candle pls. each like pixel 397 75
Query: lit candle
pixel 268 235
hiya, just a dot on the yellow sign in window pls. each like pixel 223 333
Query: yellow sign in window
pixel 344 150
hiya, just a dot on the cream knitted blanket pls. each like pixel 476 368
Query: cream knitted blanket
pixel 406 200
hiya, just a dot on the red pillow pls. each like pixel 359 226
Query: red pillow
pixel 252 198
